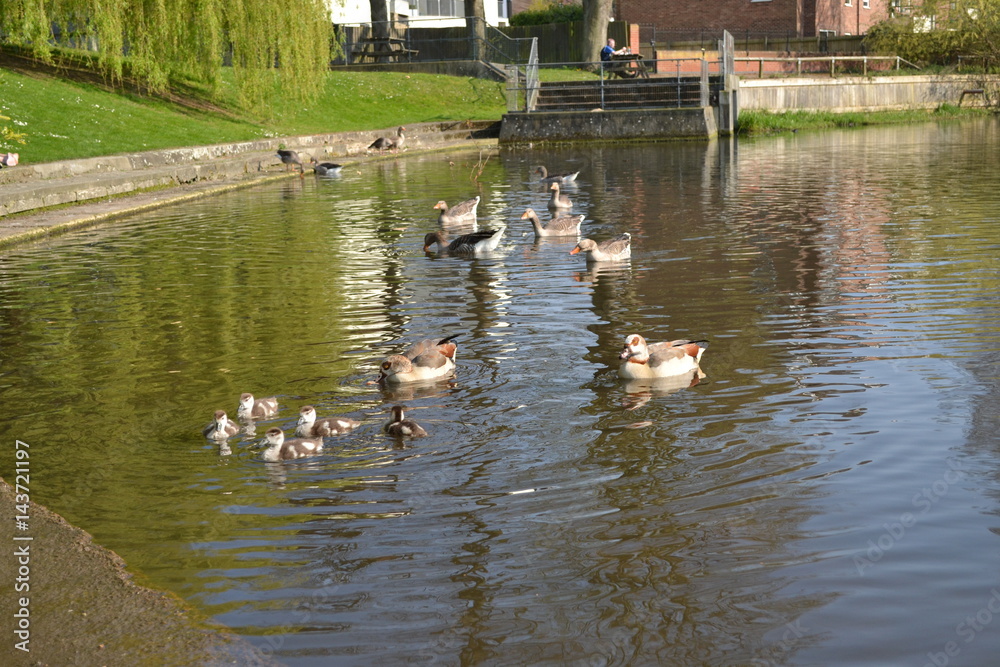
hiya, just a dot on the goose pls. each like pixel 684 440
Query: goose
pixel 326 168
pixel 290 157
pixel 400 427
pixel 562 225
pixel 386 143
pixel 614 249
pixel 646 361
pixel 251 408
pixel 221 428
pixel 310 427
pixel 280 449
pixel 475 244
pixel 425 360
pixel 463 212
pixel 558 200
pixel 546 177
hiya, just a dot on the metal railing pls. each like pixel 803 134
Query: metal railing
pixel 817 64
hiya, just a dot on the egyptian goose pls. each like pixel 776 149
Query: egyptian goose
pixel 326 168
pixel 644 361
pixel 614 249
pixel 290 157
pixel 310 427
pixel 387 143
pixel 561 225
pixel 461 213
pixel 280 449
pixel 546 177
pixel 400 427
pixel 474 244
pixel 221 428
pixel 426 360
pixel 251 408
pixel 557 200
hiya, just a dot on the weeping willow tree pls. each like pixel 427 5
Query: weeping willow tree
pixel 277 48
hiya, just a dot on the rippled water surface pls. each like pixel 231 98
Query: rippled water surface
pixel 827 494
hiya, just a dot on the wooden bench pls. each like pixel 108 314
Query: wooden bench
pixel 384 50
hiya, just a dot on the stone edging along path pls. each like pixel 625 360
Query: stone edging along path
pixel 50 198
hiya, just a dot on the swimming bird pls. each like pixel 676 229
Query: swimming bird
pixel 425 360
pixel 614 249
pixel 561 225
pixel 474 244
pixel 461 213
pixel 546 177
pixel 558 200
pixel 646 361
pixel 387 143
pixel 281 449
pixel 400 427
pixel 290 157
pixel 251 408
pixel 221 428
pixel 326 168
pixel 310 427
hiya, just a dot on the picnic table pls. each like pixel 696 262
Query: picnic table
pixel 384 50
pixel 627 66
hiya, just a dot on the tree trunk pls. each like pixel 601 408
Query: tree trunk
pixel 475 19
pixel 380 18
pixel 595 28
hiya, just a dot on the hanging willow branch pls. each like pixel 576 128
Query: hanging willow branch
pixel 278 49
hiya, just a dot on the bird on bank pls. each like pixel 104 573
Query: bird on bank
pixel 546 177
pixel 557 200
pixel 461 213
pixel 428 359
pixel 383 144
pixel 260 408
pixel 281 449
pixel 559 225
pixel 647 361
pixel 614 249
pixel 290 158
pixel 475 244
pixel 310 427
pixel 400 427
pixel 221 427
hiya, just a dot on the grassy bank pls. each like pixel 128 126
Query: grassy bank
pixel 767 122
pixel 66 119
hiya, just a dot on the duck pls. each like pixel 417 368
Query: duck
pixel 400 427
pixel 463 212
pixel 546 177
pixel 289 158
pixel 251 408
pixel 614 249
pixel 561 225
pixel 281 449
pixel 387 143
pixel 326 168
pixel 310 427
pixel 221 428
pixel 425 360
pixel 475 244
pixel 558 200
pixel 646 361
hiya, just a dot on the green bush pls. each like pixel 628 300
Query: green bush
pixel 552 13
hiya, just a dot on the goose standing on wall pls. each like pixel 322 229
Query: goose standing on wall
pixel 614 249
pixel 289 158
pixel 475 244
pixel 428 359
pixel 326 168
pixel 557 200
pixel 251 408
pixel 280 449
pixel 221 427
pixel 389 143
pixel 310 427
pixel 546 177
pixel 647 361
pixel 561 225
pixel 400 427
pixel 462 213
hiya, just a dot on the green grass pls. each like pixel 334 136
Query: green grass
pixel 767 122
pixel 65 120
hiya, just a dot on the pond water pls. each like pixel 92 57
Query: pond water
pixel 827 494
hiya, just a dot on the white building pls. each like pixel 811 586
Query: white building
pixel 430 13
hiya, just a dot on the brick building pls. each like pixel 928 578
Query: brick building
pixel 798 18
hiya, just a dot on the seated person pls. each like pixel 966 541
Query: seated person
pixel 609 50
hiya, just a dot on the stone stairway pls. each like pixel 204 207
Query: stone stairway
pixel 619 94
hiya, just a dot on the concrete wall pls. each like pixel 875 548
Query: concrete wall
pixel 623 125
pixel 859 93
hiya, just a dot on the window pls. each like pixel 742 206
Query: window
pixel 867 4
pixel 442 8
pixel 847 3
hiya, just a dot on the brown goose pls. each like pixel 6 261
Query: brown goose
pixel 251 408
pixel 646 361
pixel 400 427
pixel 221 428
pixel 562 225
pixel 280 449
pixel 310 427
pixel 387 143
pixel 289 158
pixel 425 360
pixel 615 248
pixel 461 213
pixel 546 177
pixel 475 244
pixel 326 168
pixel 558 200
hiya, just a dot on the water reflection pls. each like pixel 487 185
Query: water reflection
pixel 554 514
